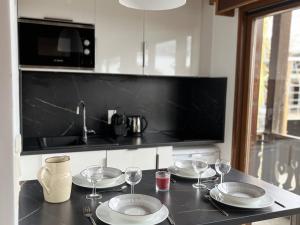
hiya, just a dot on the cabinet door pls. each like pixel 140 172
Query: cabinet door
pixel 173 40
pixel 144 158
pixel 76 10
pixel 29 166
pixel 119 38
pixel 81 160
pixel 165 156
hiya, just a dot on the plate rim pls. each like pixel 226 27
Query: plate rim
pixel 170 168
pixel 141 195
pixel 242 184
pixel 270 203
pixel 116 183
pixel 148 222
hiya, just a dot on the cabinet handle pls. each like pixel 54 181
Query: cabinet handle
pixel 58 19
pixel 144 53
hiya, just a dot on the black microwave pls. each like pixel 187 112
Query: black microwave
pixel 49 43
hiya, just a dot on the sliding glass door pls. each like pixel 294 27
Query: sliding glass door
pixel 274 106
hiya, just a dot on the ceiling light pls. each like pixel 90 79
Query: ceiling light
pixel 152 4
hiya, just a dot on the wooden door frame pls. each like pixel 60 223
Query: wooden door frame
pixel 242 99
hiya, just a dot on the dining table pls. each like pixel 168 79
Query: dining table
pixel 187 206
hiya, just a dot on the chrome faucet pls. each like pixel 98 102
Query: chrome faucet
pixel 85 131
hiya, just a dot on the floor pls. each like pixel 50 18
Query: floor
pixel 278 221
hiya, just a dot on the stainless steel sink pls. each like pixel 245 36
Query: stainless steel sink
pixel 73 141
pixel 48 142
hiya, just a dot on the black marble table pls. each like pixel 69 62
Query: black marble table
pixel 187 205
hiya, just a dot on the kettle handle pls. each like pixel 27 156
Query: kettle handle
pixel 145 124
pixel 40 177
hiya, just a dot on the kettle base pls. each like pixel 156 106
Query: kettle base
pixel 137 135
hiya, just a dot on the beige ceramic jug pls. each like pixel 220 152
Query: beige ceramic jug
pixel 56 179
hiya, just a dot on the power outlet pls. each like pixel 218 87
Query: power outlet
pixel 110 113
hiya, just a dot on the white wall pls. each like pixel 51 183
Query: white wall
pixel 207 24
pixel 9 112
pixel 218 55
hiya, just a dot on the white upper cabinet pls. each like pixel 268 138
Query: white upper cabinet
pixel 119 38
pixel 172 40
pixel 80 11
pixel 171 37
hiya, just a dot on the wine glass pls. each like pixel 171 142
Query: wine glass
pixel 200 166
pixel 222 167
pixel 93 174
pixel 133 176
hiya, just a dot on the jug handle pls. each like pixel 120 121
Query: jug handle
pixel 41 180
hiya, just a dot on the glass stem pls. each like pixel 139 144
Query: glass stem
pixel 94 189
pixel 132 192
pixel 222 178
pixel 199 181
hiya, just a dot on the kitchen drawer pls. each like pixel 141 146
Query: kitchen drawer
pixel 144 158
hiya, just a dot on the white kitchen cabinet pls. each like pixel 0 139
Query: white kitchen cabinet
pixel 171 37
pixel 81 11
pixel 81 160
pixel 144 158
pixel 172 40
pixel 119 38
pixel 165 156
pixel 29 166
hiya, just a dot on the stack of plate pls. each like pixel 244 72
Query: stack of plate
pixel 132 209
pixel 112 177
pixel 242 195
pixel 184 169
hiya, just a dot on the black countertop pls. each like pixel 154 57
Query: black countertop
pixel 186 204
pixel 32 146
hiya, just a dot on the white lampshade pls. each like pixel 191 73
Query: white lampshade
pixel 152 4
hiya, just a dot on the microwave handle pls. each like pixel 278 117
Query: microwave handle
pixel 58 19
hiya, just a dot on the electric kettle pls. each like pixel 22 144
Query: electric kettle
pixel 137 125
pixel 120 125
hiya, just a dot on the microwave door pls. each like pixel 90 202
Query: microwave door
pixel 67 48
pixel 69 42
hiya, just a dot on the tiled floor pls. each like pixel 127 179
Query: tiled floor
pixel 278 221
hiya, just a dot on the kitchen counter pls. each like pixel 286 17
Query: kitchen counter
pixel 32 146
pixel 187 205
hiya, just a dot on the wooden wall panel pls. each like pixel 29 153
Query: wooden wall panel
pixel 225 6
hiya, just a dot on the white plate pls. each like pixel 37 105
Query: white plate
pixel 79 180
pixel 135 207
pixel 209 173
pixel 110 174
pixel 264 202
pixel 185 166
pixel 184 163
pixel 241 192
pixel 106 215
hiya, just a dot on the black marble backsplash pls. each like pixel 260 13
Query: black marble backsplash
pixel 193 108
